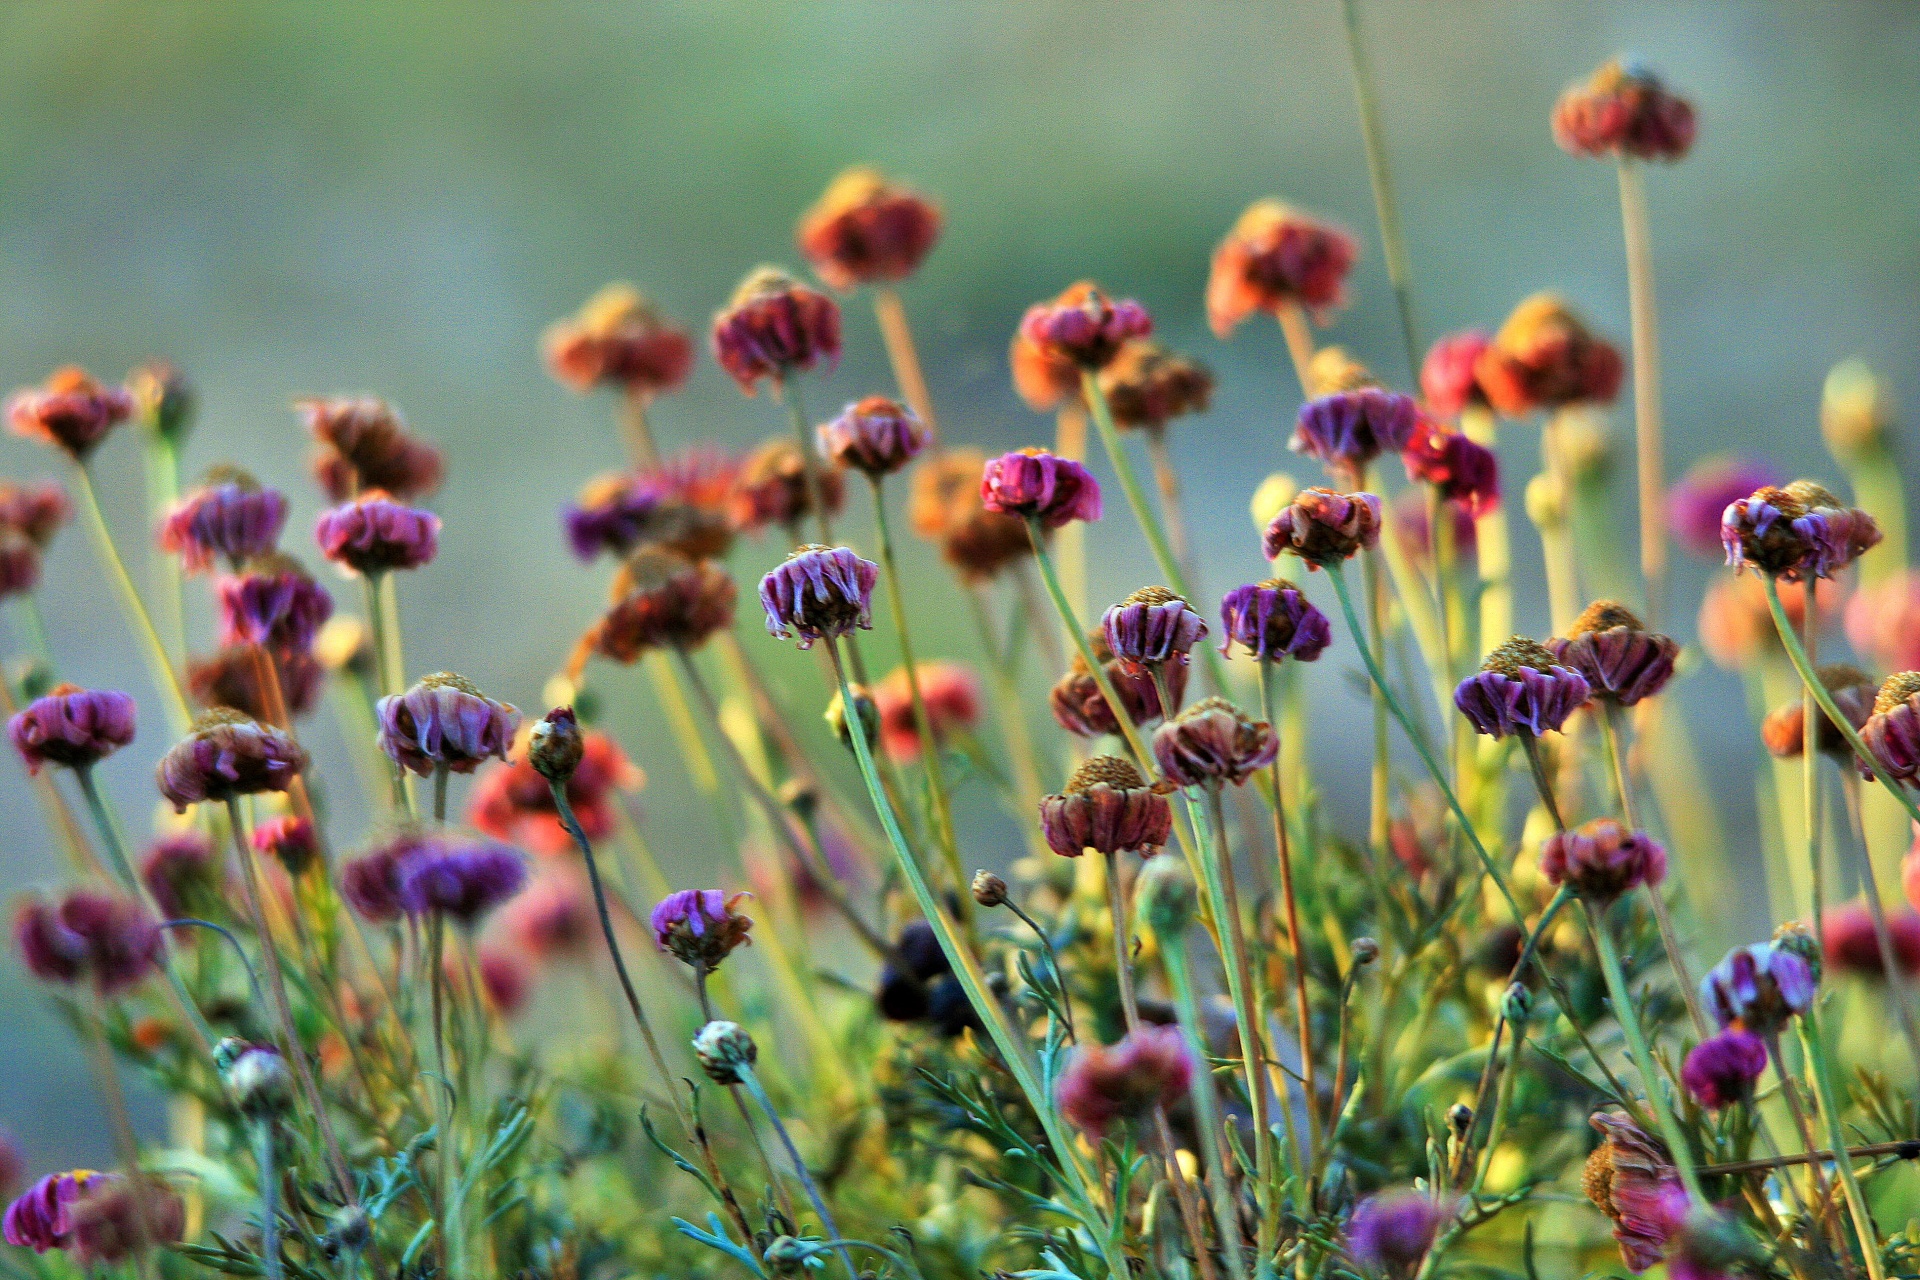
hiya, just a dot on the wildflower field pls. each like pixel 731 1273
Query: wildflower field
pixel 1028 935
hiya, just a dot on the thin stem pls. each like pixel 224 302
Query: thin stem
pixel 1898 982
pixel 168 680
pixel 1167 480
pixel 388 683
pixel 1379 817
pixel 1822 1072
pixel 1053 966
pixel 1542 782
pixel 897 336
pixel 1122 950
pixel 789 392
pixel 163 489
pixel 637 431
pixel 1294 328
pixel 269 1198
pixel 452 1231
pixel 1650 465
pixel 1790 1091
pixel 1503 1103
pixel 1206 1108
pixel 1303 1008
pixel 440 774
pixel 751 1080
pixel 1810 781
pixel 1398 271
pixel 1096 668
pixel 1904 1149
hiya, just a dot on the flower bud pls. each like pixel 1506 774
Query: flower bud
pixel 1460 1120
pixel 723 1048
pixel 1166 896
pixel 255 1075
pixel 1856 411
pixel 989 890
pixel 1516 1004
pixel 556 745
pixel 1364 951
pixel 836 717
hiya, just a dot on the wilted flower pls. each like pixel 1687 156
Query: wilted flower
pixel 1621 660
pixel 513 802
pixel 685 505
pixel 662 600
pixel 364 445
pixel 1103 1084
pixel 371 882
pixel 1213 742
pixel 230 518
pixel 42 1217
pixel 1146 387
pixel 72 726
pixel 228 755
pixel 1276 257
pixel 1349 429
pixel 1760 987
pixel 1107 807
pixel 1083 327
pixel 875 435
pixel 772 487
pixel 1850 945
pixel 1800 531
pixel 461 879
pixel 1079 707
pixel 1721 1070
pixel 1700 497
pixel 1853 692
pixel 289 838
pixel 444 722
pixel 1631 1178
pixel 35 512
pixel 553 918
pixel 988 889
pixel 1391 1231
pixel 865 229
pixel 1602 860
pixel 1447 378
pixel 231 678
pixel 1152 628
pixel 1625 111
pixel 373 534
pixel 1892 732
pixel 1458 469
pixel 950 693
pixel 1273 620
pixel 1543 357
pixel 773 327
pixel 618 339
pixel 819 592
pixel 109 941
pixel 556 746
pixel 1037 485
pixel 178 870
pixel 70 411
pixel 1323 527
pixel 700 927
pixel 273 602
pixel 1520 688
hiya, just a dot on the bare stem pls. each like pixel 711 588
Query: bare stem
pixel 165 677
pixel 897 336
pixel 1650 464
pixel 1303 1008
pixel 1398 271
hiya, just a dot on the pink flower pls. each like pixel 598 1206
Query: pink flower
pixel 774 327
pixel 950 693
pixel 1602 860
pixel 867 230
pixel 109 941
pixel 1446 377
pixel 374 534
pixel 71 411
pixel 444 721
pixel 1101 1085
pixel 1083 327
pixel 72 726
pixel 1035 484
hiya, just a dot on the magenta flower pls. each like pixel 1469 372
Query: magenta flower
pixel 445 722
pixel 177 870
pixel 1084 327
pixel 1107 807
pixel 41 1218
pixel 1520 688
pixel 1852 946
pixel 374 534
pixel 1391 1231
pixel 72 726
pixel 460 879
pixel 1602 860
pixel 70 411
pixel 371 882
pixel 700 927
pixel 1721 1070
pixel 1761 987
pixel 274 603
pixel 1696 503
pixel 1152 628
pixel 819 592
pixel 1323 527
pixel 1273 620
pixel 1211 743
pixel 364 446
pixel 1631 1178
pixel 234 520
pixel 1620 660
pixel 1892 732
pixel 773 327
pixel 1458 469
pixel 1037 485
pixel 290 838
pixel 227 755
pixel 1626 112
pixel 875 435
pixel 1104 1084
pixel 111 942
pixel 1349 429
pixel 1446 376
pixel 34 511
pixel 1797 532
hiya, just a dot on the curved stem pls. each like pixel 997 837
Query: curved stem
pixel 752 1081
pixel 1542 783
pixel 1053 966
pixel 1122 951
pixel 165 677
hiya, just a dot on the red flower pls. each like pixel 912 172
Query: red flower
pixel 619 340
pixel 950 692
pixel 71 411
pixel 1624 110
pixel 512 802
pixel 866 229
pixel 1275 257
pixel 1545 358
pixel 773 327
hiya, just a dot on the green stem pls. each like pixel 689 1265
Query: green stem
pixel 1051 580
pixel 383 674
pixel 1388 210
pixel 163 490
pixel 1206 1108
pixel 789 392
pixel 1503 1103
pixel 452 1231
pixel 1650 464
pixel 269 1199
pixel 1821 1070
pixel 747 1077
pixel 1303 1007
pixel 165 677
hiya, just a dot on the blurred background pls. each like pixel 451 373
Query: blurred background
pixel 317 199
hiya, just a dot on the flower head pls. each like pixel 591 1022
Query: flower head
pixel 115 1217
pixel 876 435
pixel 226 755
pixel 371 882
pixel 460 879
pixel 1700 497
pixel 19 564
pixel 723 1048
pixel 364 445
pixel 556 746
pixel 1721 1070
pixel 620 512
pixel 1391 1231
pixel 70 411
pixel 1273 620
pixel 1621 660
pixel 273 602
pixel 1146 387
pixel 1853 692
pixel 1447 378
pixel 109 941
pixel 178 871
pixel 1543 357
pixel 700 927
pixel 1602 860
pixel 1152 628
pixel 1107 807
pixel 1213 742
pixel 772 487
pixel 230 518
pixel 1631 1178
pixel 41 1218
pixel 1276 257
pixel 36 512
pixel 553 918
pixel 232 678
pixel 289 838
pixel 1850 944
pixel 1520 688
pixel 373 534
pixel 72 726
pixel 865 230
pixel 774 327
pixel 819 592
pixel 444 722
pixel 1323 527
pixel 1035 484
pixel 1104 1084
pixel 1625 111
pixel 1892 732
pixel 946 508
pixel 1883 621
pixel 1796 532
pixel 663 600
pixel 1080 708
pixel 1760 987
pixel 514 801
pixel 163 399
pixel 1349 429
pixel 1458 469
pixel 1083 327
pixel 619 340
pixel 950 692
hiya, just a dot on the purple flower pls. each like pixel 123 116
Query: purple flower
pixel 1391 1231
pixel 228 755
pixel 1620 660
pixel 1034 484
pixel 1213 742
pixel 876 435
pixel 374 534
pixel 1457 468
pixel 72 726
pixel 773 327
pixel 1892 732
pixel 274 603
pixel 111 941
pixel 42 1217
pixel 1273 620
pixel 700 926
pixel 1696 503
pixel 1797 532
pixel 1520 689
pixel 1602 860
pixel 1761 987
pixel 461 879
pixel 1151 628
pixel 1349 429
pixel 819 592
pixel 444 722
pixel 1323 527
pixel 1101 1085
pixel 612 515
pixel 1084 327
pixel 1721 1070
pixel 371 882
pixel 1107 807
pixel 233 519
pixel 177 868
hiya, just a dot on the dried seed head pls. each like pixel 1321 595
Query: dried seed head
pixel 989 890
pixel 1603 615
pixel 1516 653
pixel 1112 770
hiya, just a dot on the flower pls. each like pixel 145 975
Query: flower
pixel 291 839
pixel 373 534
pixel 1856 412
pixel 514 802
pixel 700 927
pixel 70 411
pixel 1149 1068
pixel 1107 807
pixel 723 1048
pixel 1631 1178
pixel 1083 327
pixel 461 879
pixel 917 984
pixel 1391 1231
pixel 773 327
pixel 1323 527
pixel 163 399
pixel 685 505
pixel 1800 531
pixel 988 889
pixel 1212 742
pixel 1883 621
pixel 945 507
pixel 109 941
pixel 115 1217
pixel 1458 469
pixel 1412 528
pixel 1850 944
pixel 225 755
pixel 1696 503
pixel 1447 379
pixel 875 435
pixel 19 564
pixel 230 518
pixel 1721 1070
pixel 662 600
pixel 1760 987
pixel 556 745
pixel 72 726
pixel 35 512
pixel 274 602
pixel 619 340
pixel 950 692
pixel 1147 387
pixel 504 980
pixel 554 917
pixel 1273 258
pixel 1543 357
pixel 1079 707
pixel 1892 732
pixel 819 592
pixel 231 678
pixel 1520 689
pixel 1273 620
pixel 1621 660
pixel 364 445
pixel 41 1218
pixel 865 229
pixel 444 722
pixel 1349 429
pixel 1623 110
pixel 256 1076
pixel 772 487
pixel 1152 628
pixel 1036 485
pixel 1852 690
pixel 371 882
pixel 1602 860
pixel 178 870
pixel 1736 625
